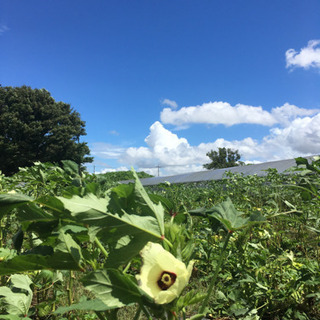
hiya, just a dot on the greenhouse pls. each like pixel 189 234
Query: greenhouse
pixel 259 169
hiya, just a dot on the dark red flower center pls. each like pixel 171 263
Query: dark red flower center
pixel 166 280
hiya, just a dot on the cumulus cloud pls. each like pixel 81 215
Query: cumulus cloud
pixel 293 132
pixel 170 103
pixel 308 57
pixel 285 114
pixel 301 136
pixel 219 112
pixel 175 155
pixel 164 148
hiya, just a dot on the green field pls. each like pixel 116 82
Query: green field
pixel 74 245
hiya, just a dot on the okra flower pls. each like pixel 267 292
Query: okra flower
pixel 162 276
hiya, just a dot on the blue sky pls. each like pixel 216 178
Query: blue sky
pixel 162 82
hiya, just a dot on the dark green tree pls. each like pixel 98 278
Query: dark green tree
pixel 223 158
pixel 34 127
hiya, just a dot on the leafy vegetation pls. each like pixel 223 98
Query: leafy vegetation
pixel 123 175
pixel 71 242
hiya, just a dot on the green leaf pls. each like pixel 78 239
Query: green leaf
pixel 13 317
pixel 192 297
pixel 127 248
pixel 87 209
pixel 157 209
pixel 26 262
pixel 256 217
pixel 230 218
pixel 89 305
pixel 10 201
pixel 113 228
pixel 18 296
pixel 6 254
pixel 113 288
pixel 92 211
pixel 226 214
pixel 66 255
pixel 166 203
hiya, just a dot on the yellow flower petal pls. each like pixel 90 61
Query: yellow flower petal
pixel 157 262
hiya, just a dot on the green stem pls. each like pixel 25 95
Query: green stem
pixel 1 235
pixel 215 275
pixel 126 268
pixel 70 298
pixel 168 242
pixel 198 316
pixel 101 247
pixel 183 315
pixel 137 315
pixel 99 315
pixel 146 312
pixel 2 281
pixel 111 314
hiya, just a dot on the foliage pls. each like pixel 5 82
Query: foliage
pixel 16 298
pixel 223 158
pixel 123 175
pixel 34 127
pixel 272 271
pixel 255 242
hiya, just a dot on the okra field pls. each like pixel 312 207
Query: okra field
pixel 74 245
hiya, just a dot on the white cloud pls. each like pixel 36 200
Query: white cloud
pixel 308 57
pixel 302 136
pixel 288 112
pixel 170 103
pixel 164 149
pixel 223 113
pixel 3 29
pixel 293 132
pixel 105 150
pixel 175 155
pixel 105 170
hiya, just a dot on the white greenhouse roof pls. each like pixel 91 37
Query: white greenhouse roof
pixel 217 174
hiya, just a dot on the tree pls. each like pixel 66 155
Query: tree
pixel 34 127
pixel 223 158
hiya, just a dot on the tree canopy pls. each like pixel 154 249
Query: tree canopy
pixel 223 158
pixel 34 127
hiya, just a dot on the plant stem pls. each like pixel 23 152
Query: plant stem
pixel 168 242
pixel 1 235
pixel 137 315
pixel 70 288
pixel 99 315
pixel 126 268
pixel 111 314
pixel 215 275
pixel 146 312
pixel 2 281
pixel 101 247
